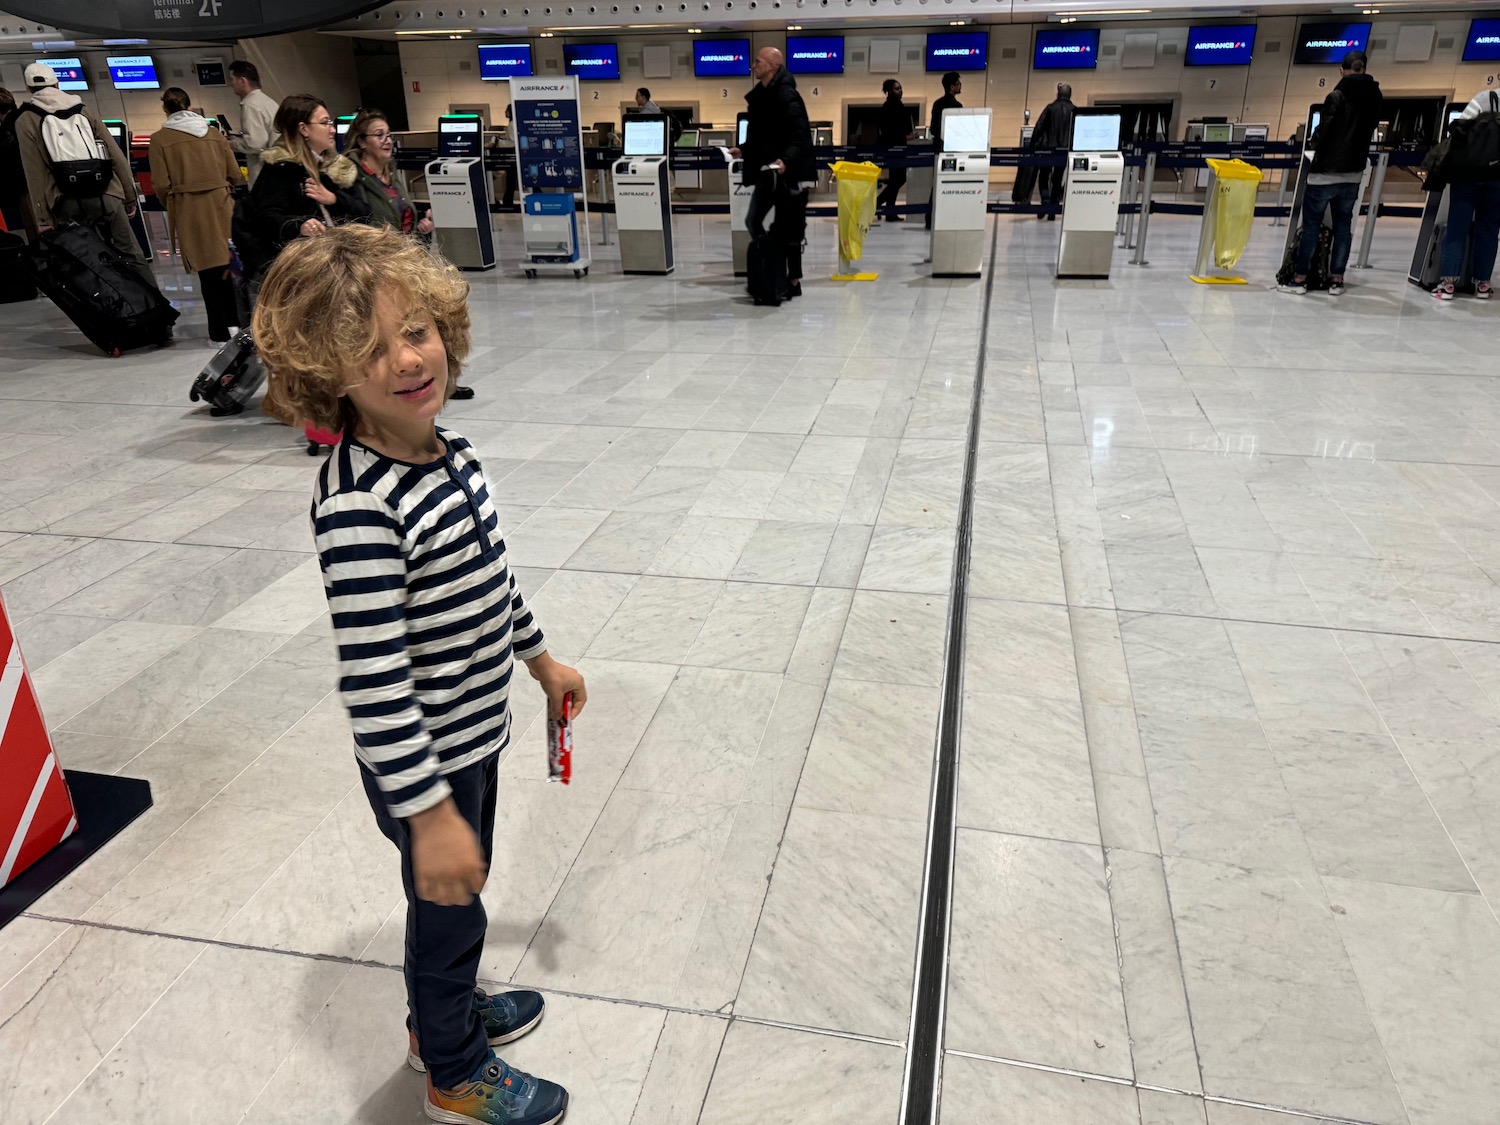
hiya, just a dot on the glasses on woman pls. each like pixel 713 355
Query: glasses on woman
pixel 327 122
pixel 378 136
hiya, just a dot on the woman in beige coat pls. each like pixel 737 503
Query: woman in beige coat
pixel 193 172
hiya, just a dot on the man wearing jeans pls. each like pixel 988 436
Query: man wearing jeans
pixel 1341 151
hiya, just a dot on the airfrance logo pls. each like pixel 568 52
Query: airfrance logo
pixel 1226 45
pixel 829 56
pixel 955 52
pixel 595 61
pixel 734 58
pixel 1067 49
pixel 1487 41
pixel 1331 43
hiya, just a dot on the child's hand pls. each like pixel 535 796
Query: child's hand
pixel 447 863
pixel 558 680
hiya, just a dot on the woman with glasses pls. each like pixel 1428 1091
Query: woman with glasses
pixel 373 148
pixel 304 186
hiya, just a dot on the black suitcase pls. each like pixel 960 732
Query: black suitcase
pixel 100 290
pixel 1319 274
pixel 16 283
pixel 233 375
pixel 1025 185
pixel 765 272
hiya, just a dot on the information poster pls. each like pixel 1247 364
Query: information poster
pixel 549 137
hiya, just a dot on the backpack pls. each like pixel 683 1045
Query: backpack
pixel 80 162
pixel 1471 154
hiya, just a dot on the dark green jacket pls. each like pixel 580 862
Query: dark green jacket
pixel 384 211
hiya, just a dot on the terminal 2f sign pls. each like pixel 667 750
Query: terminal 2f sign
pixel 198 20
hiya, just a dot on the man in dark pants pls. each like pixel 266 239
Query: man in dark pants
pixel 778 136
pixel 1054 129
pixel 1341 152
pixel 953 85
pixel 893 128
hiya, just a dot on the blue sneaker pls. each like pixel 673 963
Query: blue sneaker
pixel 507 1017
pixel 498 1095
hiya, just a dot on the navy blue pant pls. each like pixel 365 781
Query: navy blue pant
pixel 1473 214
pixel 1343 198
pixel 443 943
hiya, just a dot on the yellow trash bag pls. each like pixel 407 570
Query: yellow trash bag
pixel 857 191
pixel 1234 216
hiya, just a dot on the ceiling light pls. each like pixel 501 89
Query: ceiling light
pixel 449 31
pixel 794 27
pixel 695 31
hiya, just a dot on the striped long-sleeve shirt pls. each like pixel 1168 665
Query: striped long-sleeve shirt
pixel 426 614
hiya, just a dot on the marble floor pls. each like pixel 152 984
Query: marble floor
pixel 1229 803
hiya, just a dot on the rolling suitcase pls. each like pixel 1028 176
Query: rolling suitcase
pixel 1025 185
pixel 16 283
pixel 231 377
pixel 765 272
pixel 100 290
pixel 318 438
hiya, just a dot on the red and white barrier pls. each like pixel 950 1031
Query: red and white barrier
pixel 36 810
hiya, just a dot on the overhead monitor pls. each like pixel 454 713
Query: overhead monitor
pixel 499 61
pixel 721 58
pixel 1066 50
pixel 966 130
pixel 598 62
pixel 70 73
pixel 1220 45
pixel 1483 43
pixel 1325 44
pixel 958 50
pixel 1096 132
pixel 815 54
pixel 645 134
pixel 132 72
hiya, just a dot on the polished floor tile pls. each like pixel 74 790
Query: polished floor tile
pixel 1228 788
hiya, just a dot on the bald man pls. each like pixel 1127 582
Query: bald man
pixel 780 138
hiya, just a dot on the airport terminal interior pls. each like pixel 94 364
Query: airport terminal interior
pixel 1034 695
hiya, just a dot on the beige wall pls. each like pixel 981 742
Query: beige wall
pixel 1270 91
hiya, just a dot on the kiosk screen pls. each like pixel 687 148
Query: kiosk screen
pixel 1096 132
pixel 966 132
pixel 645 136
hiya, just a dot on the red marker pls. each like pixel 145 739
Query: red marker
pixel 560 744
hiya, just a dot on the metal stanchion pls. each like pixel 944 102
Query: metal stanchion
pixel 1286 174
pixel 1205 260
pixel 1148 179
pixel 603 198
pixel 1377 188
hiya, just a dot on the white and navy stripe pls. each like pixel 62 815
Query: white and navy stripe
pixel 426 614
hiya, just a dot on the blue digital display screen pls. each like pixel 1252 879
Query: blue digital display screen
pixel 1324 43
pixel 70 73
pixel 599 61
pixel 499 61
pixel 958 50
pixel 1066 50
pixel 815 54
pixel 721 58
pixel 132 72
pixel 1224 45
pixel 1483 43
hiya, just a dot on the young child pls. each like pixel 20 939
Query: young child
pixel 366 333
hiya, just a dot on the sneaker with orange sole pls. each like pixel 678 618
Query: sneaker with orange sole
pixel 498 1094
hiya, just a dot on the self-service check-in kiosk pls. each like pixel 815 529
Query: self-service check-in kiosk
pixel 1091 196
pixel 121 134
pixel 740 195
pixel 460 215
pixel 961 194
pixel 643 208
pixel 461 135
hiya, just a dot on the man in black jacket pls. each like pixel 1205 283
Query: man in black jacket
pixel 778 137
pixel 893 127
pixel 1054 129
pixel 953 85
pixel 1341 152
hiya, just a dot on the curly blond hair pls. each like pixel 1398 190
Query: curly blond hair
pixel 314 324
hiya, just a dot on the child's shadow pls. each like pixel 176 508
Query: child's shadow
pixel 523 940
